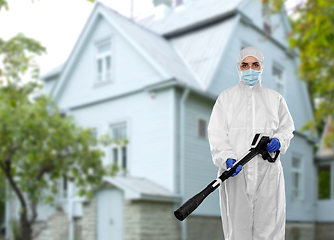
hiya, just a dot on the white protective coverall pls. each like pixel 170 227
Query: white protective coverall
pixel 253 202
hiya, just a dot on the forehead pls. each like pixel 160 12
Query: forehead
pixel 250 59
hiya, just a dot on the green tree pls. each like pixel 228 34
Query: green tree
pixel 313 35
pixel 37 145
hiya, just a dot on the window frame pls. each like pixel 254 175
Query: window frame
pixel 275 79
pixel 331 183
pixel 103 56
pixel 301 180
pixel 119 149
pixel 95 133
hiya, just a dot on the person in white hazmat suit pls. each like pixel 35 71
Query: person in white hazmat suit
pixel 252 202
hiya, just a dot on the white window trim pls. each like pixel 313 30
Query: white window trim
pixel 301 172
pixel 331 189
pixel 96 135
pixel 276 81
pixel 63 195
pixel 102 56
pixel 119 148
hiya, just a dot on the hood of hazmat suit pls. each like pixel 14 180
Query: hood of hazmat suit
pixel 252 202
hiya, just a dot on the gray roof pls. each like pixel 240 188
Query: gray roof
pixel 142 188
pixel 197 12
pixel 157 47
pixel 202 50
pixel 184 58
pixel 325 153
pixel 53 72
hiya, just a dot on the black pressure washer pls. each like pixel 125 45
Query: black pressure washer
pixel 258 146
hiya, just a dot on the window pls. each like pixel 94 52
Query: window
pixel 119 152
pixel 278 79
pixel 103 61
pixel 296 179
pixel 324 182
pixel 202 128
pixel 63 187
pixel 62 114
pixel 94 132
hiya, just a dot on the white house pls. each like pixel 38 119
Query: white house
pixel 155 81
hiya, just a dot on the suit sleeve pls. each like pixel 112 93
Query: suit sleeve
pixel 284 132
pixel 218 133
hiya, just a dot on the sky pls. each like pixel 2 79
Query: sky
pixel 57 24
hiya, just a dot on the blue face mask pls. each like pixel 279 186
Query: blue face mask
pixel 250 76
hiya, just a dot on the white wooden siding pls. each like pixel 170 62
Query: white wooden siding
pixel 129 71
pixel 303 210
pixel 148 122
pixel 199 168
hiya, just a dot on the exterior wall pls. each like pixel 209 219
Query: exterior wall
pixel 299 230
pixel 148 122
pixel 201 227
pixel 303 209
pixel 88 222
pixel 56 227
pixel 199 169
pixel 324 231
pixel 147 220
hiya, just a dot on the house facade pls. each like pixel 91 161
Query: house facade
pixel 324 168
pixel 155 81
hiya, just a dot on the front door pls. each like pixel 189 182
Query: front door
pixel 110 214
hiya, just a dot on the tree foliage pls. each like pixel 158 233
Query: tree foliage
pixel 312 34
pixel 38 145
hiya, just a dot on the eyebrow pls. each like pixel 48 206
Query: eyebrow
pixel 252 62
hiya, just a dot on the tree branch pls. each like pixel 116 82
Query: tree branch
pixel 33 206
pixel 6 170
pixel 44 170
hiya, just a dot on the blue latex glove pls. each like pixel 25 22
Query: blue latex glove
pixel 273 145
pixel 229 164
